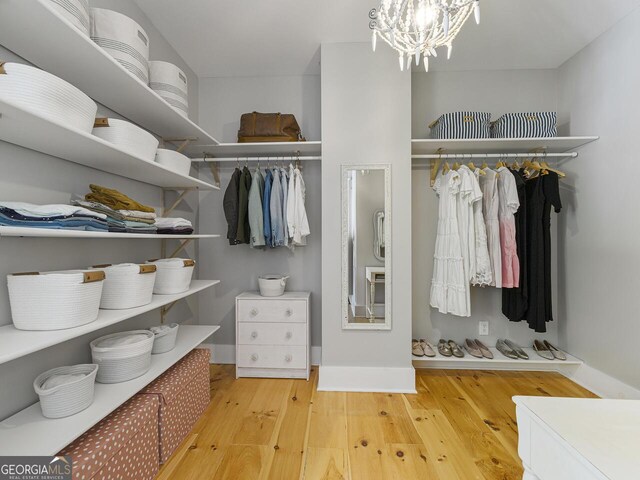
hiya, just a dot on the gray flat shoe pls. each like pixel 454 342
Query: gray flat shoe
pixel 518 349
pixel 506 350
pixel 416 349
pixel 471 347
pixel 557 353
pixel 542 350
pixel 455 349
pixel 444 349
pixel 486 353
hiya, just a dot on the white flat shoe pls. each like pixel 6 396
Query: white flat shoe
pixel 416 349
pixel 427 348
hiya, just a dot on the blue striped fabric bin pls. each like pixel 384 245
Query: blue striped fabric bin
pixel 525 125
pixel 462 125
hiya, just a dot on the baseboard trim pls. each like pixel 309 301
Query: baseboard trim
pixel 367 379
pixel 226 354
pixel 602 384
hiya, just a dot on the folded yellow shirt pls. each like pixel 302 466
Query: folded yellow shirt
pixel 114 199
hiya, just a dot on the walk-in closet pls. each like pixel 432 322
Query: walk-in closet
pixel 296 240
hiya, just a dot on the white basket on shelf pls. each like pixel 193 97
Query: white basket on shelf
pixel 127 285
pixel 168 81
pixel 173 160
pixel 122 356
pixel 69 395
pixel 54 300
pixel 46 95
pixel 122 38
pixel 76 12
pixel 165 338
pixel 173 275
pixel 127 136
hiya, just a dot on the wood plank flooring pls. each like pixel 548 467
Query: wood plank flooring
pixel 460 425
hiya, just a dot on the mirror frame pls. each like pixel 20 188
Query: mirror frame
pixel 386 167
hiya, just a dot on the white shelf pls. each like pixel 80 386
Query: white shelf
pixel 499 145
pixel 49 233
pixel 16 343
pixel 499 362
pixel 29 433
pixel 32 131
pixel 264 149
pixel 33 30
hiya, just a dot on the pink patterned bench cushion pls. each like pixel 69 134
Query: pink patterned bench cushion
pixel 183 391
pixel 122 446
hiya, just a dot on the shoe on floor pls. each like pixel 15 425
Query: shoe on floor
pixel 427 348
pixel 486 353
pixel 444 349
pixel 416 349
pixel 505 350
pixel 471 347
pixel 518 349
pixel 542 350
pixel 455 349
pixel 557 353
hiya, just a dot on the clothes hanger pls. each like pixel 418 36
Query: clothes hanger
pixel 471 166
pixel 445 168
pixel 456 166
pixel 545 166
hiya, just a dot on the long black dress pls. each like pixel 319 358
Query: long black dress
pixel 542 193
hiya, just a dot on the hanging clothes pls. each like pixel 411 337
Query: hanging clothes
pixel 542 194
pixel 285 194
pixel 448 291
pixel 297 221
pixel 244 230
pixel 490 207
pixel 266 207
pixel 482 275
pixel 230 206
pixel 515 300
pixel 277 222
pixel 256 220
pixel 509 204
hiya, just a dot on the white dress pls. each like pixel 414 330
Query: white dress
pixel 490 206
pixel 482 275
pixel 448 292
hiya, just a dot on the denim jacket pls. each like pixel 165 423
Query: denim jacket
pixel 266 207
pixel 277 222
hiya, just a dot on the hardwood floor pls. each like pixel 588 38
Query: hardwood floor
pixel 460 425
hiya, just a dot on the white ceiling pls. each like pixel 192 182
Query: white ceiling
pixel 221 38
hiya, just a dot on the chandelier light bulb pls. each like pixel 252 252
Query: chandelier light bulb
pixel 401 62
pixel 449 50
pixel 445 23
pixel 476 11
pixel 374 40
pixel 424 16
pixel 418 56
pixel 426 63
pixel 409 61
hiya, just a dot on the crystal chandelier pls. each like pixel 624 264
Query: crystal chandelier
pixel 416 28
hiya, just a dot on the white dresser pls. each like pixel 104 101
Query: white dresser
pixel 578 438
pixel 273 335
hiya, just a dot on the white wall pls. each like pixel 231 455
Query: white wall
pixel 600 224
pixel 222 101
pixel 33 177
pixel 365 119
pixel 435 93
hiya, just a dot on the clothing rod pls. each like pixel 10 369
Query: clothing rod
pixel 262 159
pixel 445 156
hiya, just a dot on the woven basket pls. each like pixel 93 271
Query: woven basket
pixel 166 340
pixel 127 285
pixel 69 398
pixel 123 362
pixel 76 12
pixel 168 81
pixel 47 96
pixel 173 275
pixel 127 136
pixel 54 300
pixel 122 38
pixel 173 160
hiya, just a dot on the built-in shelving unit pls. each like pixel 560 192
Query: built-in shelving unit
pixel 32 131
pixel 231 151
pixel 29 433
pixel 16 343
pixel 49 233
pixel 499 362
pixel 27 28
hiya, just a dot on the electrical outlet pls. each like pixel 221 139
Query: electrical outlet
pixel 483 328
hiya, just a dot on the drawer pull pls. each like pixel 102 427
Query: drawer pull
pixel 289 312
pixel 254 334
pixel 289 335
pixel 254 357
pixel 288 358
pixel 253 312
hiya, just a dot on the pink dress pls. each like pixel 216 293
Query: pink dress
pixel 509 204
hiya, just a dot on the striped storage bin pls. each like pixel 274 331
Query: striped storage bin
pixel 76 12
pixel 168 81
pixel 525 125
pixel 462 125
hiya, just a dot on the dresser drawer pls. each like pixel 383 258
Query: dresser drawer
pixel 272 311
pixel 272 333
pixel 264 356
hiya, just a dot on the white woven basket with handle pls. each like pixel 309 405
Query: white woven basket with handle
pixel 173 275
pixel 125 361
pixel 127 136
pixel 127 285
pixel 165 340
pixel 69 398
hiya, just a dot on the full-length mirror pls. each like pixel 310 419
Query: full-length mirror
pixel 366 247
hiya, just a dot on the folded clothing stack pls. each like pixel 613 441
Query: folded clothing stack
pixel 127 215
pixel 115 220
pixel 58 217
pixel 174 226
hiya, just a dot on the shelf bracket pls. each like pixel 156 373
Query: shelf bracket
pixel 182 193
pixel 215 171
pixel 183 245
pixel 165 310
pixel 179 143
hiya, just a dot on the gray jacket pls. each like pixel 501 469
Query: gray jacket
pixel 255 210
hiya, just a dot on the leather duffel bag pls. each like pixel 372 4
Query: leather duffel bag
pixel 269 127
